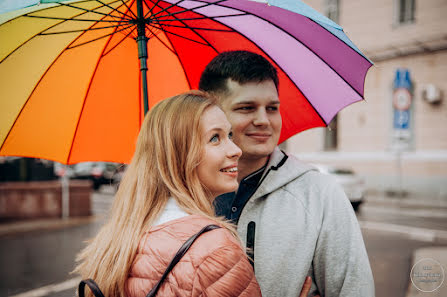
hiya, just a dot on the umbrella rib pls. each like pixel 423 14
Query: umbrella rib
pixel 321 59
pixel 178 57
pixel 71 19
pixel 124 2
pixel 85 99
pixel 156 36
pixel 203 18
pixel 181 21
pixel 63 20
pixel 80 30
pixel 100 13
pixel 191 28
pixel 206 42
pixel 122 29
pixel 163 9
pixel 188 9
pixel 149 8
pixel 202 43
pixel 113 9
pixel 124 38
pixel 180 62
pixel 285 73
pixel 341 40
pixel 36 85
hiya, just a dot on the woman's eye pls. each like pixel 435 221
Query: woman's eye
pixel 215 138
pixel 273 108
pixel 230 135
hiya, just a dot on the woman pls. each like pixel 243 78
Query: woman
pixel 184 158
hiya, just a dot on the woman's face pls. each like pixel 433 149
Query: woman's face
pixel 217 170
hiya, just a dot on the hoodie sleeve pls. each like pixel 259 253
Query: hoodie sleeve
pixel 226 272
pixel 341 265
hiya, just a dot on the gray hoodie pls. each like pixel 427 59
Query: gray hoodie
pixel 305 225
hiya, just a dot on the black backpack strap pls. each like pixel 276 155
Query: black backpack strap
pixel 181 252
pixel 92 285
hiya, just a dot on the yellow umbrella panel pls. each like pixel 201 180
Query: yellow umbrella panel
pixel 75 96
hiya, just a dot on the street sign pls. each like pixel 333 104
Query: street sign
pixel 402 111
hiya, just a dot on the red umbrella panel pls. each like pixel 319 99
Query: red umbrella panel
pixel 71 79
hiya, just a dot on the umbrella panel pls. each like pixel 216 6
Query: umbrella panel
pixel 108 112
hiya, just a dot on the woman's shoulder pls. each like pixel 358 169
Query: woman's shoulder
pixel 213 261
pixel 172 234
pixel 162 242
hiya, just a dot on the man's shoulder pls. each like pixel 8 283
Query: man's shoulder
pixel 307 182
pixel 300 179
pixel 305 172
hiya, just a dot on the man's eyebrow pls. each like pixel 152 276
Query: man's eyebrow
pixel 254 102
pixel 245 102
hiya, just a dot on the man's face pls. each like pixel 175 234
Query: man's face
pixel 253 111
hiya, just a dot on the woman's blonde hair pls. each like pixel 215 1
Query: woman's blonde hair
pixel 168 150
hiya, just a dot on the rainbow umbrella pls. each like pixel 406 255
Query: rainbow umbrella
pixel 76 77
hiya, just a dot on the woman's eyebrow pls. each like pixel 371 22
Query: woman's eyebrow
pixel 213 129
pixel 217 129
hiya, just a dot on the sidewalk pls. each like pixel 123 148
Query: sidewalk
pixel 100 203
pixel 413 203
pixel 407 201
pixel 22 227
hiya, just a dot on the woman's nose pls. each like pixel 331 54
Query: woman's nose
pixel 234 150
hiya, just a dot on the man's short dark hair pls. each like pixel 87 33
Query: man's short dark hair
pixel 239 66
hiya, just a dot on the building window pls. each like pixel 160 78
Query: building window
pixel 404 11
pixel 331 9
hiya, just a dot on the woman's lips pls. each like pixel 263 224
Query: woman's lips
pixel 230 170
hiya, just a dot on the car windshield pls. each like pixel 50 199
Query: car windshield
pixel 83 165
pixel 111 166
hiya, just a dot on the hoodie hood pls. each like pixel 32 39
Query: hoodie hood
pixel 291 168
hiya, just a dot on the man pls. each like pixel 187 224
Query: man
pixel 296 221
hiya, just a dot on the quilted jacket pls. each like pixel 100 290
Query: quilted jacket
pixel 215 265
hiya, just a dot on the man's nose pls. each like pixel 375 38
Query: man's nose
pixel 261 117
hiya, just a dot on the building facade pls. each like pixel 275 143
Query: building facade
pixel 409 36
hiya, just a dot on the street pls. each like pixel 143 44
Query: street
pixel 39 263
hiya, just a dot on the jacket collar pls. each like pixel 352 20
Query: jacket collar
pixel 281 169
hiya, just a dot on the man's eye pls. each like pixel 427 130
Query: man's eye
pixel 215 138
pixel 245 108
pixel 272 108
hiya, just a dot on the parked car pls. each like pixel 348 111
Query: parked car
pixel 353 184
pixel 99 173
pixel 118 176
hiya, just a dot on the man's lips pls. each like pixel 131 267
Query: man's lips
pixel 259 135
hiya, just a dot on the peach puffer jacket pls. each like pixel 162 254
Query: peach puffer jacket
pixel 215 265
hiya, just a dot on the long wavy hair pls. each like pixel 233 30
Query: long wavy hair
pixel 168 151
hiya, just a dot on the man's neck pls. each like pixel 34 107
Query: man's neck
pixel 247 166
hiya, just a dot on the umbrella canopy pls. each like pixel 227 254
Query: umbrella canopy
pixel 70 73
